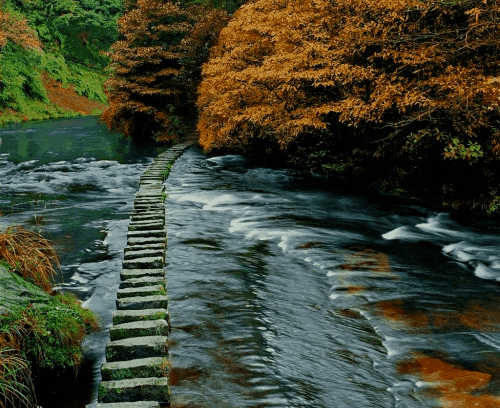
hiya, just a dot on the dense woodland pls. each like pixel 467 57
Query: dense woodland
pixel 397 95
pixel 53 40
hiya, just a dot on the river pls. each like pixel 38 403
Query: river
pixel 282 292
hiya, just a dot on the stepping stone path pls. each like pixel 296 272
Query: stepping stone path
pixel 137 365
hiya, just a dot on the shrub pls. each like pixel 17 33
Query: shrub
pixel 403 93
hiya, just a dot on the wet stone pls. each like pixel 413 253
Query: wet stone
pixel 146 241
pixel 140 273
pixel 141 282
pixel 139 368
pixel 150 247
pixel 152 389
pixel 141 291
pixel 134 254
pixel 144 226
pixel 142 302
pixel 136 347
pixel 138 404
pixel 138 329
pixel 146 263
pixel 127 316
pixel 147 233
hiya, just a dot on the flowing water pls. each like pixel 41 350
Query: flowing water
pixel 74 181
pixel 282 293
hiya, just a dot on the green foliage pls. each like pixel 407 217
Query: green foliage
pixel 20 81
pixel 78 30
pixel 52 330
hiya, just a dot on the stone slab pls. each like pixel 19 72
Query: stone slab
pixel 148 207
pixel 138 404
pixel 127 316
pixel 138 329
pixel 149 247
pixel 146 226
pixel 142 302
pixel 142 253
pixel 141 282
pixel 152 389
pixel 144 263
pixel 140 273
pixel 139 368
pixel 149 217
pixel 147 233
pixel 141 291
pixel 146 240
pixel 136 347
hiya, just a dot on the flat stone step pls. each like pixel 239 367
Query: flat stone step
pixel 153 389
pixel 146 241
pixel 149 200
pixel 127 316
pixel 138 329
pixel 141 273
pixel 146 226
pixel 138 368
pixel 144 263
pixel 147 234
pixel 155 215
pixel 142 302
pixel 149 247
pixel 149 207
pixel 141 291
pixel 145 253
pixel 138 404
pixel 151 188
pixel 136 347
pixel 141 282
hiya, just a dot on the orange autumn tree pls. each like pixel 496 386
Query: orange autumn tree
pixel 402 93
pixel 16 29
pixel 148 91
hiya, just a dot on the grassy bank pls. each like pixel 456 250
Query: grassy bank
pixel 51 60
pixel 38 329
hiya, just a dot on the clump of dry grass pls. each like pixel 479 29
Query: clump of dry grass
pixel 30 255
pixel 16 386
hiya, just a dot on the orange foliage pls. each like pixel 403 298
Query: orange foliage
pixel 146 92
pixel 17 30
pixel 402 92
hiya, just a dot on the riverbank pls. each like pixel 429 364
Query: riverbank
pixel 39 329
pixel 64 102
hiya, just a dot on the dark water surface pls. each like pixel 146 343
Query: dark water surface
pixel 282 294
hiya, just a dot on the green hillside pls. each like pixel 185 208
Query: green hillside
pixel 73 34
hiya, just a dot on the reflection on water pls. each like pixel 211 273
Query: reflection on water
pixel 75 181
pixel 454 386
pixel 283 294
